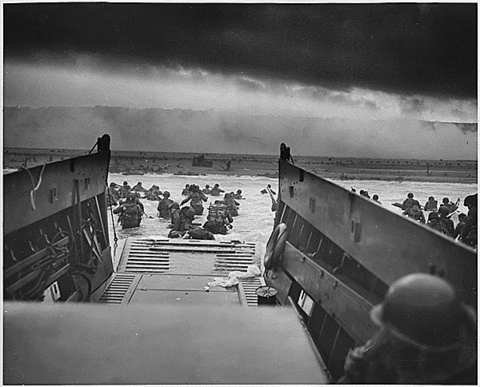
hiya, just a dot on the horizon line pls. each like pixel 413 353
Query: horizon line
pixel 234 154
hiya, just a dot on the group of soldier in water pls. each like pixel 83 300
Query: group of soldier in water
pixel 439 217
pixel 221 212
pixel 181 214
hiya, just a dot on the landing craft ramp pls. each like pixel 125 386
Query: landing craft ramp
pixel 155 323
pixel 177 271
pixel 93 344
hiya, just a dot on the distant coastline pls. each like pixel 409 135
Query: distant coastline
pixel 132 163
pixel 211 131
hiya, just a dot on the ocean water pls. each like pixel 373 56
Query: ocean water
pixel 255 220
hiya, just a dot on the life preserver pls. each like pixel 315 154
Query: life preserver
pixel 275 246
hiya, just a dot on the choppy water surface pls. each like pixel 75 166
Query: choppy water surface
pixel 254 223
pixel 255 220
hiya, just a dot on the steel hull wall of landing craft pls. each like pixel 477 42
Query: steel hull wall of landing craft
pixel 56 244
pixel 58 183
pixel 344 251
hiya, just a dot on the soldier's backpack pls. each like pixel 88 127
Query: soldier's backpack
pixel 215 227
pixel 131 210
pixel 217 212
pixel 200 233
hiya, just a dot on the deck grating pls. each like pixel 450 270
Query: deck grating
pixel 139 258
pixel 117 289
pixel 248 287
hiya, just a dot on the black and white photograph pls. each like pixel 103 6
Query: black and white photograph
pixel 239 193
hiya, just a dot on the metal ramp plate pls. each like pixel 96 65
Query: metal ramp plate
pixel 197 245
pixel 166 272
pixel 234 261
pixel 187 256
pixel 137 257
pixel 148 345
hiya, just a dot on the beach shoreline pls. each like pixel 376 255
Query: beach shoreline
pixel 339 168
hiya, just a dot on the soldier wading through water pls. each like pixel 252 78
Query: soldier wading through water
pixel 195 197
pixel 130 212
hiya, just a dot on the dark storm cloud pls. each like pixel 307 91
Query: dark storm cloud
pixel 428 49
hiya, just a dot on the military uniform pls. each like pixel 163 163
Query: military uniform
pixel 431 204
pixel 231 204
pixel 130 213
pixel 426 337
pixel 469 232
pixel 113 195
pixel 218 218
pixel 435 223
pixel 410 202
pixel 415 213
pixel 216 190
pixel 196 197
pixel 124 190
pixel 163 207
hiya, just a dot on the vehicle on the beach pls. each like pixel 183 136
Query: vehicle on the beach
pixel 163 315
pixel 201 161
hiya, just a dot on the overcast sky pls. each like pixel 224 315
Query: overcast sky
pixel 322 60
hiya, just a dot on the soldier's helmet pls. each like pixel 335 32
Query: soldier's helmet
pixel 470 200
pixel 174 205
pixel 443 210
pixel 131 197
pixel 422 310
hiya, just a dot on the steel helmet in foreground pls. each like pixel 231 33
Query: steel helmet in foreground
pixel 422 310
